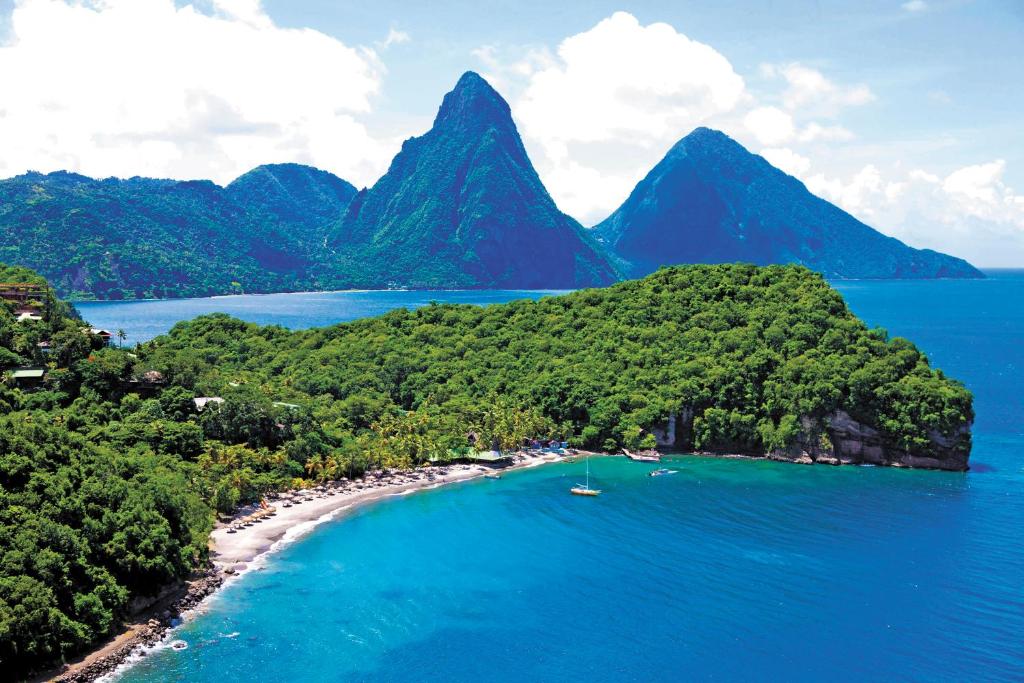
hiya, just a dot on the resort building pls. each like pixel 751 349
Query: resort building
pixel 105 335
pixel 23 294
pixel 202 401
pixel 28 315
pixel 28 378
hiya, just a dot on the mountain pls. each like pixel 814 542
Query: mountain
pixel 143 237
pixel 711 201
pixel 292 194
pixel 462 206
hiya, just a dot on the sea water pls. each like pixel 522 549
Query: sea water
pixel 143 320
pixel 728 570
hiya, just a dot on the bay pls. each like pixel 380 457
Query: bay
pixel 143 320
pixel 730 569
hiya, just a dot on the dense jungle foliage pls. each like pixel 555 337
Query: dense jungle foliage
pixel 150 238
pixel 110 474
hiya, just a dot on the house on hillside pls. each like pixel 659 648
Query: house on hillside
pixel 23 294
pixel 28 314
pixel 202 401
pixel 105 335
pixel 28 378
pixel 147 384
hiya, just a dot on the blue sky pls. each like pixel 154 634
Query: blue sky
pixel 906 113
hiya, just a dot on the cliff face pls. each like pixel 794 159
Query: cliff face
pixel 850 442
pixel 839 439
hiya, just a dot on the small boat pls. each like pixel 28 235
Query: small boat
pixel 584 489
pixel 492 476
pixel 661 472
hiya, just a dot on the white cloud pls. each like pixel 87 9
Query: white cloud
pixel 858 196
pixel 647 83
pixel 144 87
pixel 813 132
pixel 617 85
pixel 970 212
pixel 770 125
pixel 981 182
pixel 809 90
pixel 915 6
pixel 395 37
pixel 787 160
pixel 246 11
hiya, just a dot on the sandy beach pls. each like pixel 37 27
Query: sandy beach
pixel 233 548
pixel 232 553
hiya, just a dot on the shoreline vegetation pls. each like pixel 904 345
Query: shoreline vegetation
pixel 234 554
pixel 114 462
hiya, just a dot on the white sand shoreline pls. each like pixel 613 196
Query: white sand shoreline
pixel 235 552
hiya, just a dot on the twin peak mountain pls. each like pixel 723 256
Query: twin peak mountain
pixel 460 207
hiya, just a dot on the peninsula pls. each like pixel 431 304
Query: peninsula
pixel 114 462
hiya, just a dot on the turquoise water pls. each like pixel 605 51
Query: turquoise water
pixel 729 570
pixel 143 320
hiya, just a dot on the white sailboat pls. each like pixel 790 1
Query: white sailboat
pixel 584 489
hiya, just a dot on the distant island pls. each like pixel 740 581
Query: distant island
pixel 460 207
pixel 114 461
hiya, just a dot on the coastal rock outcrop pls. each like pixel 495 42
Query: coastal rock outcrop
pixel 837 439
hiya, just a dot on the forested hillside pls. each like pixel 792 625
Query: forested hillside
pixel 711 201
pixel 462 206
pixel 148 238
pixel 110 472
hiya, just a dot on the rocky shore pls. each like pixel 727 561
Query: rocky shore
pixel 148 626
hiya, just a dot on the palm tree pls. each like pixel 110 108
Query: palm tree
pixel 331 467
pixel 315 466
pixel 121 336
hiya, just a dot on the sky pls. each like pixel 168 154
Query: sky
pixel 906 113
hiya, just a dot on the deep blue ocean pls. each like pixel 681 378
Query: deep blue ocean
pixel 729 570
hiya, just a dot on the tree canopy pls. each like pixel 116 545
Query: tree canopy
pixel 111 472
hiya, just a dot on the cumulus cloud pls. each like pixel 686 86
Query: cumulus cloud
pixel 620 91
pixel 770 125
pixel 970 212
pixel 787 160
pixel 126 87
pixel 981 182
pixel 813 132
pixel 622 79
